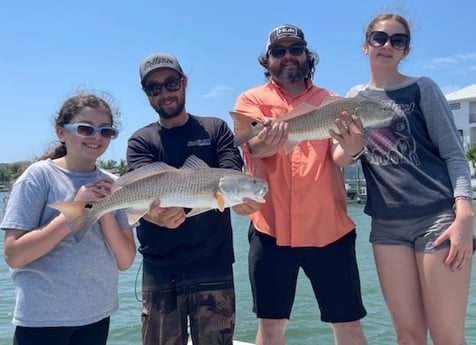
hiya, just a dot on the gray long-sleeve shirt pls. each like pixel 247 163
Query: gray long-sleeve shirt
pixel 416 164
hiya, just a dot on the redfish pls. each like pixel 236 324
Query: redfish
pixel 307 122
pixel 195 185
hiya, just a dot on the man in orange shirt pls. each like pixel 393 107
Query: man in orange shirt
pixel 304 222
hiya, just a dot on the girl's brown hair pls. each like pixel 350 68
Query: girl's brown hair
pixel 70 108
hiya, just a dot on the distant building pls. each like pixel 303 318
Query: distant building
pixel 463 104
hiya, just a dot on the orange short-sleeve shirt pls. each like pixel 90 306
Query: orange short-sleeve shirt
pixel 306 204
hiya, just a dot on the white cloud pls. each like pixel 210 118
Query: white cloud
pixel 217 91
pixel 451 60
pixel 446 89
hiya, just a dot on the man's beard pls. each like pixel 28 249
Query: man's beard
pixel 292 75
pixel 170 114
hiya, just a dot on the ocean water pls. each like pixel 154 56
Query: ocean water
pixel 304 328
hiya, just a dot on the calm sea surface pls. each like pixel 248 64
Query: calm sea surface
pixel 304 327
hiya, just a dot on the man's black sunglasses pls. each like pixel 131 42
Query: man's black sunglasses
pixel 154 89
pixel 280 51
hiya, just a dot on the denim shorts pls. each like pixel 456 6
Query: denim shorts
pixel 418 233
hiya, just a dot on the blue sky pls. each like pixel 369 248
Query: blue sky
pixel 52 48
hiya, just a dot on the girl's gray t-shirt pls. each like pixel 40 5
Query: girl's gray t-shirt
pixel 76 282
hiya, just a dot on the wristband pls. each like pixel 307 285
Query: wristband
pixel 462 197
pixel 358 154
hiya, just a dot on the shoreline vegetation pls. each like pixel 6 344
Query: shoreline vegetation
pixel 355 183
pixel 9 172
pixel 353 176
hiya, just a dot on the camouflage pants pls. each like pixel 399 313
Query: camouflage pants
pixel 204 306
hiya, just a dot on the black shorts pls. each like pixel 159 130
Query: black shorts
pixel 332 271
pixel 93 334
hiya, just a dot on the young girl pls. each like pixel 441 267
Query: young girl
pixel 66 290
pixel 418 194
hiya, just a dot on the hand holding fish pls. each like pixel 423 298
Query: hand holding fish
pixel 248 207
pixel 168 217
pixel 103 186
pixel 270 138
pixel 96 190
pixel 349 135
pixel 274 133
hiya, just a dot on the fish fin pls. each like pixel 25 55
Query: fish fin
pixel 245 127
pixel 78 215
pixel 134 214
pixel 329 100
pixel 289 146
pixel 300 110
pixel 220 201
pixel 197 211
pixel 193 162
pixel 141 173
pixel 78 236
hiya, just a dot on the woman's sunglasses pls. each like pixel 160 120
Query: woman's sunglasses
pixel 279 51
pixel 154 89
pixel 87 130
pixel 378 39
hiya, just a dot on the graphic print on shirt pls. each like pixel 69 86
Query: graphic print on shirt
pixel 393 144
pixel 199 142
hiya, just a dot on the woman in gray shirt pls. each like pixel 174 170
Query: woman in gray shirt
pixel 418 194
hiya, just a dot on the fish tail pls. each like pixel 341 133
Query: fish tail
pixel 78 216
pixel 245 128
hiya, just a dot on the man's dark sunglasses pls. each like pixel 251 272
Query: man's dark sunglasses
pixel 154 89
pixel 294 50
pixel 378 39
